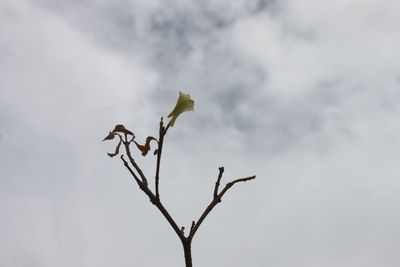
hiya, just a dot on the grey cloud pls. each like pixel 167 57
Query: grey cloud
pixel 303 95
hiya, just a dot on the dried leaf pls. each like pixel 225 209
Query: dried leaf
pixel 121 129
pixel 110 136
pixel 146 146
pixel 184 104
pixel 118 129
pixel 116 150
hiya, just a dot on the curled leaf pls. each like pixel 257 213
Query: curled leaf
pixel 184 104
pixel 121 129
pixel 116 150
pixel 146 147
pixel 110 136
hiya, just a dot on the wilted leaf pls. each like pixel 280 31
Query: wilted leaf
pixel 184 104
pixel 116 150
pixel 110 136
pixel 121 129
pixel 146 146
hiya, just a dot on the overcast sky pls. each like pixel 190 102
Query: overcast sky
pixel 304 94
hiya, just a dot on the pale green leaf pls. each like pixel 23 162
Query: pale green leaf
pixel 184 104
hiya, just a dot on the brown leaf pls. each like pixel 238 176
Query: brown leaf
pixel 146 146
pixel 116 150
pixel 121 129
pixel 110 136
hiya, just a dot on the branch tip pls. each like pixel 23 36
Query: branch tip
pixel 221 171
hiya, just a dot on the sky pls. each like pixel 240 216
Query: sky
pixel 303 94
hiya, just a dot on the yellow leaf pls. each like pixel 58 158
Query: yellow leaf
pixel 184 104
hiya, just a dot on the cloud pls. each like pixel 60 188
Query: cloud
pixel 302 94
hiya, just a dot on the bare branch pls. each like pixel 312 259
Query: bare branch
pixel 221 171
pixel 215 201
pixel 191 227
pixel 162 132
pixel 168 125
pixel 133 162
pixel 166 214
pixel 155 201
pixel 131 171
pixel 229 185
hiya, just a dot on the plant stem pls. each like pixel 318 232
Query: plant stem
pixel 162 132
pixel 155 198
pixel 187 248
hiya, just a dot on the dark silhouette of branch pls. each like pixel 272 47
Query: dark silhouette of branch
pixel 162 133
pixel 133 162
pixel 155 198
pixel 191 227
pixel 155 201
pixel 229 185
pixel 131 171
pixel 216 199
pixel 221 171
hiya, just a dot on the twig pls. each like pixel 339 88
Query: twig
pixel 229 185
pixel 155 201
pixel 162 132
pixel 191 227
pixel 131 171
pixel 168 125
pixel 221 171
pixel 216 200
pixel 128 152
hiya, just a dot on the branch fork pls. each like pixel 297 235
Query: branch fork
pixel 142 182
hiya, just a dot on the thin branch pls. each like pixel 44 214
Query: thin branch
pixel 128 152
pixel 221 171
pixel 162 132
pixel 168 125
pixel 155 201
pixel 166 214
pixel 229 185
pixel 215 201
pixel 131 171
pixel 191 227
